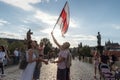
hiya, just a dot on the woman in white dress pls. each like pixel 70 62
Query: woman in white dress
pixel 27 74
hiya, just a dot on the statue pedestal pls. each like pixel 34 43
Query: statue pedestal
pixel 100 49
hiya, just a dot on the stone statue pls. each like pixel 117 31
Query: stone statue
pixel 29 33
pixel 28 41
pixel 99 39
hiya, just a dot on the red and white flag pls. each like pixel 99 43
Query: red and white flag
pixel 64 18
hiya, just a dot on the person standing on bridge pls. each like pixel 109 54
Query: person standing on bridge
pixel 62 59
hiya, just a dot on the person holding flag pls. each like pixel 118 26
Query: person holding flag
pixel 62 59
pixel 63 71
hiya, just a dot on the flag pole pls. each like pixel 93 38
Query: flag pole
pixel 55 24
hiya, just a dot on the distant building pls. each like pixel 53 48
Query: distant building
pixel 112 46
pixel 109 48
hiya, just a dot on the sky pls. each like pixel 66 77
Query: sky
pixel 87 18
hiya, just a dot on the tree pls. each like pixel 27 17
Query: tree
pixel 86 51
pixel 16 44
pixel 4 42
pixel 46 41
pixel 48 45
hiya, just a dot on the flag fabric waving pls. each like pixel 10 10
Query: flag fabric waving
pixel 64 18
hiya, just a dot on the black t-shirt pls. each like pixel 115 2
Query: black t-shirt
pixel 114 58
pixel 104 58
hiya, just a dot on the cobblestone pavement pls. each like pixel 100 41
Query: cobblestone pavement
pixel 79 71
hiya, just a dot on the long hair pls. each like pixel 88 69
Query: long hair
pixel 3 49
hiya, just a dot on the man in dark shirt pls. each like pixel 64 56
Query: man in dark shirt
pixel 104 58
pixel 114 58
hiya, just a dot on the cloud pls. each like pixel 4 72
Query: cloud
pixel 23 28
pixel 47 30
pixel 84 37
pixel 117 27
pixel 23 4
pixel 73 23
pixel 3 22
pixel 29 19
pixel 40 15
pixel 45 18
pixel 26 21
pixel 10 35
pixel 51 19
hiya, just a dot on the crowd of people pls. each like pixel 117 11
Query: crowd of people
pixel 35 56
pixel 104 58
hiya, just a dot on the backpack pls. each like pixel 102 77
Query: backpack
pixel 23 63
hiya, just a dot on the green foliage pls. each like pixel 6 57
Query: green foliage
pixel 86 51
pixel 46 41
pixel 4 42
pixel 16 44
pixel 48 45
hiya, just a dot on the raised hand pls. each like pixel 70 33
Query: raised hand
pixel 46 62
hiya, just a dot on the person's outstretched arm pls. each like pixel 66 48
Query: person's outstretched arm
pixel 55 40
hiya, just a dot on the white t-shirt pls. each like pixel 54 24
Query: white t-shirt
pixel 16 53
pixel 2 56
pixel 63 54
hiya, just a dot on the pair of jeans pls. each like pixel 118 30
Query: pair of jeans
pixel 67 73
pixel 2 68
pixel 61 74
